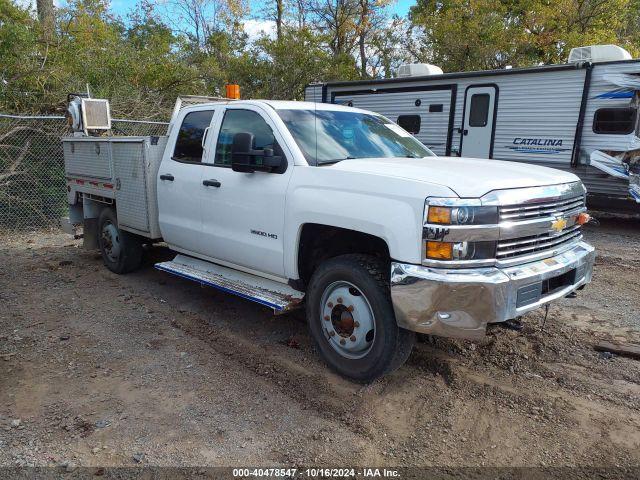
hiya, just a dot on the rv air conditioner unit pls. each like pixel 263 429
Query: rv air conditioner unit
pixel 418 70
pixel 598 53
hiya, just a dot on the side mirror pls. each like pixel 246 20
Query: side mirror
pixel 240 152
pixel 245 159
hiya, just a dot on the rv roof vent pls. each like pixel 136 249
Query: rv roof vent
pixel 418 70
pixel 598 53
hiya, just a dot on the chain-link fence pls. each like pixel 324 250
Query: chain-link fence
pixel 32 183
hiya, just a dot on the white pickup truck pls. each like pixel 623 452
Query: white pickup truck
pixel 337 209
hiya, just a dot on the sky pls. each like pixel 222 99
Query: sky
pixel 400 7
pixel 253 28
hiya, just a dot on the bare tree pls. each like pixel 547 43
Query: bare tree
pixel 276 12
pixel 371 21
pixel 201 18
pixel 279 17
pixel 301 12
pixel 47 18
pixel 337 18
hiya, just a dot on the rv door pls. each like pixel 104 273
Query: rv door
pixel 478 124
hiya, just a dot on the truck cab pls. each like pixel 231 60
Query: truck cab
pixel 343 212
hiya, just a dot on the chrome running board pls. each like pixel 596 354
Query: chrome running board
pixel 264 291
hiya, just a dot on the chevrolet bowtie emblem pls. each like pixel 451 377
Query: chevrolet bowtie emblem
pixel 559 224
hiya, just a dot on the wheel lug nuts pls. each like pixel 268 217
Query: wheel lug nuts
pixel 356 324
pixel 352 338
pixel 332 333
pixel 350 308
pixel 342 341
pixel 339 299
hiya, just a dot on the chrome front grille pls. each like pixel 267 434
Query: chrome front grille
pixel 533 244
pixel 516 213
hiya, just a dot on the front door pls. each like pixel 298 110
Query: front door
pixel 479 118
pixel 243 213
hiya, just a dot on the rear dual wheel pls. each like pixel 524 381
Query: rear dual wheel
pixel 351 318
pixel 121 251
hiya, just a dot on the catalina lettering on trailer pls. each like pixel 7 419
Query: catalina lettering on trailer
pixel 537 145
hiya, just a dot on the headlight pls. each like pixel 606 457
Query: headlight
pixel 459 230
pixel 462 215
pixel 460 250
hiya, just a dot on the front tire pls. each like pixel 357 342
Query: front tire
pixel 121 251
pixel 351 318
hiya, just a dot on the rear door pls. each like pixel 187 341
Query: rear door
pixel 179 181
pixel 479 121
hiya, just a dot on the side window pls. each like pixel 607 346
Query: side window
pixel 615 121
pixel 236 121
pixel 411 123
pixel 479 110
pixel 189 141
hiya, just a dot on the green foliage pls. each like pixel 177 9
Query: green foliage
pixel 280 68
pixel 482 34
pixel 143 61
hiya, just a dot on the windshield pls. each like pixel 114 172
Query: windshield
pixel 329 136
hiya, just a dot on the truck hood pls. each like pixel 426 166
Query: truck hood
pixel 467 177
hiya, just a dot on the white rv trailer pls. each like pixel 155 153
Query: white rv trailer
pixel 580 116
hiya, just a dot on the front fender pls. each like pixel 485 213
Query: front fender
pixel 386 207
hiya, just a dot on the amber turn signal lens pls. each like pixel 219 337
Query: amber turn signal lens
pixel 583 218
pixel 440 250
pixel 440 215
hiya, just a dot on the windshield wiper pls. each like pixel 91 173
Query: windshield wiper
pixel 336 160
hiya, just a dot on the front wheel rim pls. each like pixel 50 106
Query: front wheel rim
pixel 348 322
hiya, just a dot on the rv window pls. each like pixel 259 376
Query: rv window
pixel 189 141
pixel 479 110
pixel 411 123
pixel 615 121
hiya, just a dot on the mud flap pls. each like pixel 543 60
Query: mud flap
pixel 90 233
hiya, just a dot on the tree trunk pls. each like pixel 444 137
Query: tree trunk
pixel 47 17
pixel 363 56
pixel 362 40
pixel 279 15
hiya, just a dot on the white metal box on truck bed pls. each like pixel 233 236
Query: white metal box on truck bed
pixel 123 169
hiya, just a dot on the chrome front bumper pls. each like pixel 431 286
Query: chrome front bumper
pixel 461 302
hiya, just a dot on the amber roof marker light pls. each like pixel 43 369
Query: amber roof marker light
pixel 233 91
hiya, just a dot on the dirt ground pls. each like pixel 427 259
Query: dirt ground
pixel 98 369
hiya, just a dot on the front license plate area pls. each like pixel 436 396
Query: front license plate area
pixel 533 292
pixel 554 284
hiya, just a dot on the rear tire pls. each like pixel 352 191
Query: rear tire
pixel 121 251
pixel 351 318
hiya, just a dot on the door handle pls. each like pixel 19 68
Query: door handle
pixel 465 132
pixel 167 176
pixel 211 183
